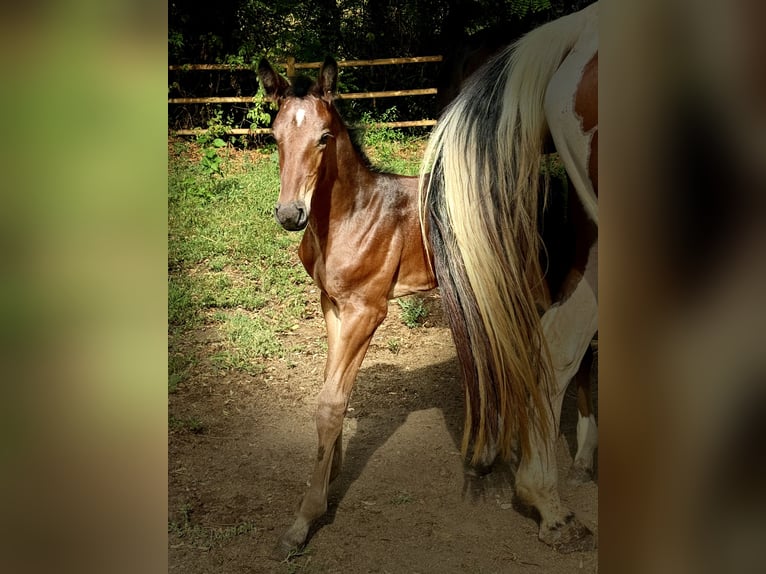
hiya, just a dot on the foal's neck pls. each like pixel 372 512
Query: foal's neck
pixel 354 173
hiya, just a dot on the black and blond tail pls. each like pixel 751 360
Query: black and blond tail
pixel 480 204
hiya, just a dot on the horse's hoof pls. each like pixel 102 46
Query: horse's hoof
pixel 578 475
pixel 483 467
pixel 571 535
pixel 477 471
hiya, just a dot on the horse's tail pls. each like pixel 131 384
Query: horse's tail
pixel 481 204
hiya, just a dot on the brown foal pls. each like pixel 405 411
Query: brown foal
pixel 362 245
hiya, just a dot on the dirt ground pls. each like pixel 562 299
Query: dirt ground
pixel 402 503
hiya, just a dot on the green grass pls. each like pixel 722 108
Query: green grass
pixel 401 498
pixel 248 339
pixel 206 537
pixel 234 276
pixel 190 424
pixel 226 253
pixel 390 150
pixel 298 561
pixel 414 311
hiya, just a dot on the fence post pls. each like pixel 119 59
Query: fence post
pixel 290 66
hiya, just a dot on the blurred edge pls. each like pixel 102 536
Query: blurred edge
pixel 84 156
pixel 683 244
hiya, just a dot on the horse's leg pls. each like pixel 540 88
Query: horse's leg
pixel 581 470
pixel 568 327
pixel 485 461
pixel 571 109
pixel 349 330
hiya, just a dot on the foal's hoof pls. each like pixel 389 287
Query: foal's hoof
pixel 579 475
pixel 571 535
pixel 281 551
pixel 289 544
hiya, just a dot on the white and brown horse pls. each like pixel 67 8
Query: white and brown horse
pixel 519 339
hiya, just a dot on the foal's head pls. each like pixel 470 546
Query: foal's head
pixel 305 130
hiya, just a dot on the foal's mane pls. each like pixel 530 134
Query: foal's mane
pixel 301 87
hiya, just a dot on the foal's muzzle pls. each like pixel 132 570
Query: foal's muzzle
pixel 292 216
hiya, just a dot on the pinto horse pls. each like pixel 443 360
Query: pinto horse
pixel 362 245
pixel 519 339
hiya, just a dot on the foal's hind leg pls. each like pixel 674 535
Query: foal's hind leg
pixel 569 328
pixel 350 328
pixel 581 470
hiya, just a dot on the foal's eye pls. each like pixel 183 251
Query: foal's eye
pixel 323 138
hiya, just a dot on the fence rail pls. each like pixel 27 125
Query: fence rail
pixel 305 65
pixel 258 131
pixel 291 66
pixel 347 96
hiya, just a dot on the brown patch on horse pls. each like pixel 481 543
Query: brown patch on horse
pixel 586 234
pixel 586 107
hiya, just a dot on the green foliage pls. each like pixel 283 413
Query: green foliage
pixel 242 32
pixel 176 45
pixel 552 166
pixel 376 136
pixel 217 126
pixel 234 59
pixel 211 143
pixel 211 161
pixel 523 7
pixel 259 115
pixel 414 311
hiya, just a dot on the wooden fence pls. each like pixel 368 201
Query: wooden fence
pixel 291 66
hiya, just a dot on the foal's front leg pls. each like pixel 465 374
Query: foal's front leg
pixel 350 326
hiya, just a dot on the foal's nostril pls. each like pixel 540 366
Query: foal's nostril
pixel 301 215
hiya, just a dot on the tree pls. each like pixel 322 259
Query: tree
pixel 465 32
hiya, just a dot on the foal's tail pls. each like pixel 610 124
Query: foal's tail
pixel 481 204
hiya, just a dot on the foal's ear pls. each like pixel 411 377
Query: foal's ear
pixel 328 79
pixel 274 85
